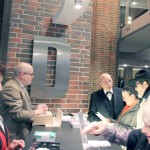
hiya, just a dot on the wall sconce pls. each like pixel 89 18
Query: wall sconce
pixel 78 4
pixel 69 11
pixel 129 19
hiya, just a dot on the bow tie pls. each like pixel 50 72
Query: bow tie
pixel 108 92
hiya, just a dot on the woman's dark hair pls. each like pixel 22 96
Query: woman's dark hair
pixel 131 91
pixel 142 81
pixel 2 69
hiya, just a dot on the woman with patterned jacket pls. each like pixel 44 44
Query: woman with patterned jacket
pixel 137 139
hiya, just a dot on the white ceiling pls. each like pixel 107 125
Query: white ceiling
pixel 140 3
pixel 136 44
pixel 137 36
pixel 136 41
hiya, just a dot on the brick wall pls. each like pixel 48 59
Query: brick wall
pixel 33 17
pixel 104 41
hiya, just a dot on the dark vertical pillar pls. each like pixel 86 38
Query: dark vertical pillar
pixel 128 72
pixel 5 30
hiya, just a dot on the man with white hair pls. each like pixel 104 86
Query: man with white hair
pixel 15 105
pixel 107 101
pixel 141 83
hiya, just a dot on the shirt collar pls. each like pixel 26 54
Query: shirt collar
pixel 19 83
pixel 109 91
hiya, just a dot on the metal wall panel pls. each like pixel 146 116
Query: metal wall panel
pixel 39 63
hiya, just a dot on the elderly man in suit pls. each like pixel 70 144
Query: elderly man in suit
pixel 15 105
pixel 107 101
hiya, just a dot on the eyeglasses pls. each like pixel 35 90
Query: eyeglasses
pixel 31 74
pixel 136 84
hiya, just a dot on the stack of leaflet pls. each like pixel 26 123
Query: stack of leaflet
pixel 91 144
pixel 74 122
pixel 44 136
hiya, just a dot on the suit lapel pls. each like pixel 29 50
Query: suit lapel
pixel 105 100
pixel 24 93
pixel 114 98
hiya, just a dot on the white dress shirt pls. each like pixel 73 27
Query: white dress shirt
pixel 109 94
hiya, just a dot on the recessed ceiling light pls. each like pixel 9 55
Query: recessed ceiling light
pixel 145 66
pixel 133 3
pixel 78 4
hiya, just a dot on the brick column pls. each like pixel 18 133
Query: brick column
pixel 104 40
pixel 128 71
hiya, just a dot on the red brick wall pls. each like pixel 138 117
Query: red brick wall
pixel 33 17
pixel 104 40
pixel 29 18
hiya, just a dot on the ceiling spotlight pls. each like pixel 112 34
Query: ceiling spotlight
pixel 125 65
pixel 129 19
pixel 145 66
pixel 78 4
pixel 133 3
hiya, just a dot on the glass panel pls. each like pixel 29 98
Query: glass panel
pixel 137 8
pixel 132 10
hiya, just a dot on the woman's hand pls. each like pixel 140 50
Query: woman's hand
pixel 20 144
pixel 94 128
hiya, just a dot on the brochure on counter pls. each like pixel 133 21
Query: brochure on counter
pixel 42 136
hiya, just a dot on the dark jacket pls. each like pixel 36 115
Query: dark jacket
pixel 144 101
pixel 99 103
pixel 137 141
pixel 146 93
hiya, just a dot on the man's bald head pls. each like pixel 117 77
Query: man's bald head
pixel 106 81
pixel 22 67
pixel 23 72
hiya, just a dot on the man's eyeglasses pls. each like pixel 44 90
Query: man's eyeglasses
pixel 136 84
pixel 31 74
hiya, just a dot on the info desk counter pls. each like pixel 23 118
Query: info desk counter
pixel 68 137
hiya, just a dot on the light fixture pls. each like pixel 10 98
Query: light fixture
pixel 78 4
pixel 73 15
pixel 125 65
pixel 145 66
pixel 133 3
pixel 129 19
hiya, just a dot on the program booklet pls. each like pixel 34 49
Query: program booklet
pixel 88 144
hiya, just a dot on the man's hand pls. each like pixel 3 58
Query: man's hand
pixel 17 144
pixel 94 128
pixel 41 109
pixel 43 106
